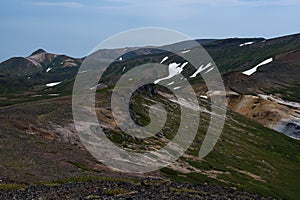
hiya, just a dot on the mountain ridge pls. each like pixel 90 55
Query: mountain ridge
pixel 40 146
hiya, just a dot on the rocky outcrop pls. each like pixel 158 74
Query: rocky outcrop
pixel 274 113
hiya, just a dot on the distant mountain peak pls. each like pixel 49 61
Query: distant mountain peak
pixel 39 51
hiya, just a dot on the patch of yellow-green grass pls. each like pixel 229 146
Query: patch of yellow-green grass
pixel 96 178
pixel 11 186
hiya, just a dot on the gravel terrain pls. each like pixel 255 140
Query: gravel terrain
pixel 147 189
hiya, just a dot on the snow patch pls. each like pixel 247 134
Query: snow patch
pixel 184 64
pixel 254 69
pixel 171 83
pixel 37 95
pixel 48 69
pixel 280 101
pixel 290 127
pixel 53 95
pixel 246 44
pixel 92 88
pixel 81 72
pixel 123 69
pixel 164 59
pixel 98 85
pixel 176 88
pixel 203 96
pixel 208 70
pixel 186 51
pixel 53 84
pixel 174 70
pixel 201 68
pixel 121 58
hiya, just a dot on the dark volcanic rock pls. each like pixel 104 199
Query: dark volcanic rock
pixel 148 189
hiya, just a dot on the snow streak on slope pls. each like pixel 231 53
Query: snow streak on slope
pixel 163 60
pixel 185 51
pixel 171 83
pixel 254 69
pixel 201 68
pixel 52 84
pixel 280 101
pixel 208 70
pixel 174 70
pixel 246 44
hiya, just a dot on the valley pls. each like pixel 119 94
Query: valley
pixel 256 156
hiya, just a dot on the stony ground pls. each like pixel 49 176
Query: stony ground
pixel 146 189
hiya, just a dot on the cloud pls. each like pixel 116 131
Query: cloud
pixel 210 2
pixel 59 4
pixel 166 4
pixel 269 2
pixel 163 9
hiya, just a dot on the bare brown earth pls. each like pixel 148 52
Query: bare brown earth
pixel 42 157
pixel 266 112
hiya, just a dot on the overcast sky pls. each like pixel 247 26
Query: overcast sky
pixel 76 27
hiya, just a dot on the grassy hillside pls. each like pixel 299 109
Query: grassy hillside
pixel 40 145
pixel 247 156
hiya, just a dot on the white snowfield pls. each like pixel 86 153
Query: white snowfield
pixel 184 64
pixel 174 70
pixel 164 59
pixel 53 95
pixel 208 70
pixel 92 88
pixel 171 83
pixel 53 84
pixel 81 72
pixel 202 68
pixel 185 51
pixel 245 44
pixel 37 95
pixel 280 101
pixel 48 69
pixel 254 69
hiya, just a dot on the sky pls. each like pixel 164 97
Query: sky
pixel 75 27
